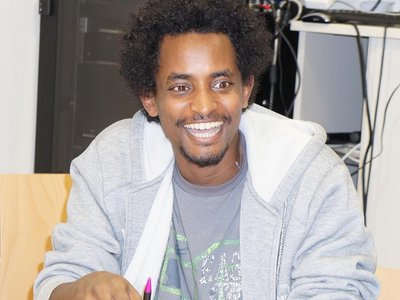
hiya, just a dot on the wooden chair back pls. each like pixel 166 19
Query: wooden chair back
pixel 30 206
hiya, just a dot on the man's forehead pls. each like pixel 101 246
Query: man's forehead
pixel 194 39
pixel 193 47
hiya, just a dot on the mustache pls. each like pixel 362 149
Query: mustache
pixel 199 117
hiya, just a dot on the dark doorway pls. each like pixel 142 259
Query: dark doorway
pixel 80 89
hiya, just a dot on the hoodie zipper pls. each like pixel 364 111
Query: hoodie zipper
pixel 280 250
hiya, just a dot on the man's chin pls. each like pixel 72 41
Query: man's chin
pixel 203 161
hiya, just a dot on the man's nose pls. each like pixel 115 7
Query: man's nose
pixel 204 102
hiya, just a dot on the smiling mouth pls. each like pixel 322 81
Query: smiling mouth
pixel 204 130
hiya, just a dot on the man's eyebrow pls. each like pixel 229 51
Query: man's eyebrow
pixel 178 76
pixel 223 73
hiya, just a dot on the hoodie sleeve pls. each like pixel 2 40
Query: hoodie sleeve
pixel 86 243
pixel 336 257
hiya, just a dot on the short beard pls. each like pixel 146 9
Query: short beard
pixel 206 160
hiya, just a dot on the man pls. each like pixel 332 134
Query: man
pixel 209 196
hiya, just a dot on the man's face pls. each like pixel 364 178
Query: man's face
pixel 200 97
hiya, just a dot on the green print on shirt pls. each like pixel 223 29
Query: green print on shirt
pixel 217 272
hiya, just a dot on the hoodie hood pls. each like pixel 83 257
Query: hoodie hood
pixel 274 143
pixel 282 140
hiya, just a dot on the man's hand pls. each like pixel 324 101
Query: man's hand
pixel 96 286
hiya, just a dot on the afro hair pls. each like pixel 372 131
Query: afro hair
pixel 149 24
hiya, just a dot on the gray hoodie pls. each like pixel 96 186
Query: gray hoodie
pixel 301 228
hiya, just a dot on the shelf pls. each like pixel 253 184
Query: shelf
pixel 345 29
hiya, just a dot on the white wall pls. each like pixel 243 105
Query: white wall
pixel 384 192
pixel 383 195
pixel 19 50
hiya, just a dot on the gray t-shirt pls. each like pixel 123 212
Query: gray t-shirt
pixel 202 259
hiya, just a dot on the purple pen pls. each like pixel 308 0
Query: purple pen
pixel 147 290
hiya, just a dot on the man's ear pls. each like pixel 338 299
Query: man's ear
pixel 247 89
pixel 149 104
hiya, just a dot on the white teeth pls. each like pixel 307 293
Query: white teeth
pixel 209 129
pixel 204 135
pixel 203 126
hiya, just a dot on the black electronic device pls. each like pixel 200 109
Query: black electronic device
pixel 343 137
pixel 317 17
pixel 45 7
pixel 353 17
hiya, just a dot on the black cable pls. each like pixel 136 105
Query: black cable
pixel 286 15
pixel 376 5
pixel 284 22
pixel 354 173
pixel 276 13
pixel 286 6
pixel 382 129
pixel 281 16
pixel 384 118
pixel 293 53
pixel 378 96
pixel 281 20
pixel 281 93
pixel 351 164
pixel 365 100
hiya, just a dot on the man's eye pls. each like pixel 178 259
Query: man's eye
pixel 222 85
pixel 179 88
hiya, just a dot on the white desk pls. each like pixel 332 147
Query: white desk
pixel 331 94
